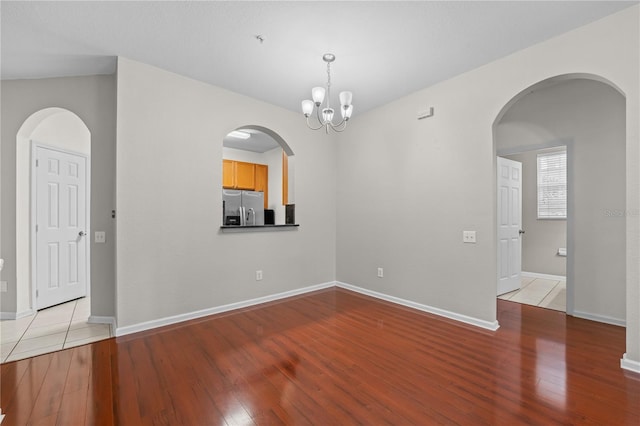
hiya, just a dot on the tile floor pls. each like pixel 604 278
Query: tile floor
pixel 59 327
pixel 541 292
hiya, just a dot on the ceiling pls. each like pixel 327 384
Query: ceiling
pixel 259 142
pixel 384 50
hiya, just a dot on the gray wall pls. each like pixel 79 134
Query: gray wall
pixel 542 238
pixel 173 259
pixel 592 116
pixel 408 188
pixel 93 99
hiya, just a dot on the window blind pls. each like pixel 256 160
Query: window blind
pixel 552 185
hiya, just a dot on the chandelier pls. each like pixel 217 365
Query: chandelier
pixel 324 114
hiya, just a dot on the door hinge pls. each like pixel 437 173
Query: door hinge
pixel 36 228
pixel 37 163
pixel 37 293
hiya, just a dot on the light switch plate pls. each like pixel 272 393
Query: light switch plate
pixel 469 237
pixel 101 237
pixel 3 286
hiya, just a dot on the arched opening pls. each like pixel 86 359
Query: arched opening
pixel 259 163
pixel 58 132
pixel 586 114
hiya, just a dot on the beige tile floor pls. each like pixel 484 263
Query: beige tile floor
pixel 541 292
pixel 59 327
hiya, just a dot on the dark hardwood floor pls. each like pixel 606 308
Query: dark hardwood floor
pixel 331 358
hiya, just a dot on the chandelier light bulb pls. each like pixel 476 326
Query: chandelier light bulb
pixel 307 107
pixel 317 93
pixel 327 115
pixel 346 112
pixel 345 98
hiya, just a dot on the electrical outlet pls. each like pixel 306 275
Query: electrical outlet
pixel 380 272
pixel 258 275
pixel 3 286
pixel 469 237
pixel 101 237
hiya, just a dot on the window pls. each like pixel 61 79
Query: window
pixel 552 185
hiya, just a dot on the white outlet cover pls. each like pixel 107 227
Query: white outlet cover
pixel 469 236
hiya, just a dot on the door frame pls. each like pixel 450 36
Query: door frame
pixel 33 216
pixel 556 143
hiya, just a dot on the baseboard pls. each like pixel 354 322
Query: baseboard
pixel 629 364
pixel 600 318
pixel 16 315
pixel 147 325
pixel 543 276
pixel 493 326
pixel 93 319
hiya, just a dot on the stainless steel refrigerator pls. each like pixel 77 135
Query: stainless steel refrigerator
pixel 243 208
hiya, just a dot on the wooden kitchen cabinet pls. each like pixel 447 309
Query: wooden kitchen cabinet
pixel 228 174
pixel 245 175
pixel 262 182
pixel 238 175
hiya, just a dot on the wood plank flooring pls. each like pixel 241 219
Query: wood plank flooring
pixel 334 358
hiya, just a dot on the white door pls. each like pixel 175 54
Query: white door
pixel 509 225
pixel 61 213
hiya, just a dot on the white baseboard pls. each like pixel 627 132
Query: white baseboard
pixel 493 326
pixel 94 319
pixel 629 364
pixel 600 318
pixel 543 276
pixel 16 315
pixel 147 325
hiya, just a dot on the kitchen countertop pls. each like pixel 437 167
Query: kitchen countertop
pixel 258 227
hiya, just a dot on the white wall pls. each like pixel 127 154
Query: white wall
pixel 408 188
pixel 591 116
pixel 172 256
pixel 92 98
pixel 543 237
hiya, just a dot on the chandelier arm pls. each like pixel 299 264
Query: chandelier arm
pixel 339 124
pixel 337 128
pixel 313 128
pixel 320 118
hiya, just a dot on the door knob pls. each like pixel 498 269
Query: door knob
pixel 521 232
pixel 82 233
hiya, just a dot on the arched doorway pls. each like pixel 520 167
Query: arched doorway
pixel 586 114
pixel 59 132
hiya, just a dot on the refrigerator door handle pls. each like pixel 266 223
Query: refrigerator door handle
pixel 242 219
pixel 252 212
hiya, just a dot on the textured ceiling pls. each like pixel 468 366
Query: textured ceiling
pixel 384 50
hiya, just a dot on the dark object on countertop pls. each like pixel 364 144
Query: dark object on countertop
pixel 290 214
pixel 269 217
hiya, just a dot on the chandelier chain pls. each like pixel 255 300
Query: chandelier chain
pixel 328 84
